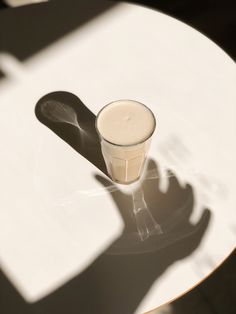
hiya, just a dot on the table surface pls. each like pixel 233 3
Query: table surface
pixel 64 227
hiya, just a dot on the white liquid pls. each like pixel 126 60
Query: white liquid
pixel 125 122
pixel 125 128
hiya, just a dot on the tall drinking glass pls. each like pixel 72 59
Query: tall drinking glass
pixel 125 128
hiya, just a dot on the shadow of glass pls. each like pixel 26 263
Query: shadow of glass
pixel 67 116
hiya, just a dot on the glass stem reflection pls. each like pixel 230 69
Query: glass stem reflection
pixel 146 224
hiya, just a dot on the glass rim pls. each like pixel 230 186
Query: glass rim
pixel 124 145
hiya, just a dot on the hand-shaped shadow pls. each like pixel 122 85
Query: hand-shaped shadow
pixel 170 210
pixel 67 116
pixel 117 281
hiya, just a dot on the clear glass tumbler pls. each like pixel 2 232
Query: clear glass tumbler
pixel 125 128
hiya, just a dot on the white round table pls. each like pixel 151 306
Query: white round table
pixel 59 220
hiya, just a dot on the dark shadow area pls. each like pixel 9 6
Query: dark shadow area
pixel 67 116
pixel 27 29
pixel 2 5
pixel 11 301
pixel 1 74
pixel 215 295
pixel 117 283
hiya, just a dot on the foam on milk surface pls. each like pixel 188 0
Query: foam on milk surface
pixel 125 122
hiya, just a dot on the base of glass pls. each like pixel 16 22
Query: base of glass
pixel 125 182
